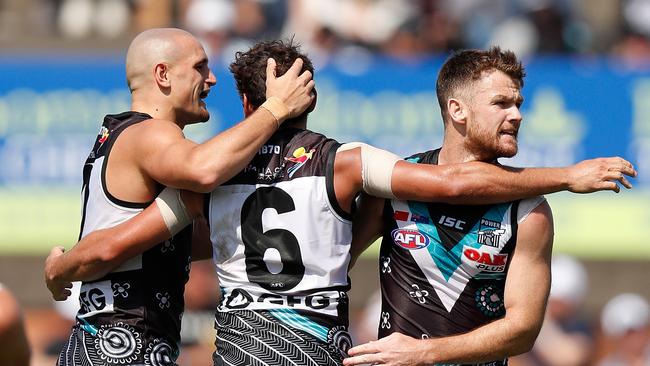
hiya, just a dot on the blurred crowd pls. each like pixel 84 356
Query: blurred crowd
pixel 355 28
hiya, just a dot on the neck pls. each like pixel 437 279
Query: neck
pixel 155 108
pixel 300 123
pixel 453 149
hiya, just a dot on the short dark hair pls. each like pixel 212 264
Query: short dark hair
pixel 249 68
pixel 466 66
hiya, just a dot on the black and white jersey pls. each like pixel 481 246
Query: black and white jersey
pixel 443 267
pixel 132 315
pixel 281 248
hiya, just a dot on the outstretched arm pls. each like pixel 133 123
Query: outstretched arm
pixel 526 292
pixel 467 183
pixel 483 183
pixel 176 162
pixel 101 251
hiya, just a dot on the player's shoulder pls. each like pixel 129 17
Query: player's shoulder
pixel 425 157
pixel 537 204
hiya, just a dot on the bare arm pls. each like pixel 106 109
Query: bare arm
pixel 483 183
pixel 526 292
pixel 104 250
pixel 201 245
pixel 173 161
pixel 478 182
pixel 366 225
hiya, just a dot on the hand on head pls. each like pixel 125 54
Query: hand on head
pixel 293 88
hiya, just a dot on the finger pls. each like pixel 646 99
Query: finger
pixel 626 183
pixel 270 68
pixel 294 70
pixel 622 165
pixel 305 77
pixel 63 295
pixel 611 186
pixel 310 86
pixel 629 171
pixel 625 162
pixel 363 349
pixel 362 360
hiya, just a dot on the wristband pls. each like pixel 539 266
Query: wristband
pixel 277 108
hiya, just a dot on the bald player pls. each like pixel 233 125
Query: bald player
pixel 132 315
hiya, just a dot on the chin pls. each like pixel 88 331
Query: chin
pixel 201 117
pixel 508 152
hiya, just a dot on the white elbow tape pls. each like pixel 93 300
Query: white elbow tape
pixel 173 210
pixel 376 169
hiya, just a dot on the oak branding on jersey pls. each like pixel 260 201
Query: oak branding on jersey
pixel 485 261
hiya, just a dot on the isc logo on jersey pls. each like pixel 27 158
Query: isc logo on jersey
pixel 485 261
pixel 409 239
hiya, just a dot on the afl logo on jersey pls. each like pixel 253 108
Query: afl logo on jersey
pixel 409 239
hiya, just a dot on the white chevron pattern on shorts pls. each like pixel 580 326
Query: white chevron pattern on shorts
pixel 256 338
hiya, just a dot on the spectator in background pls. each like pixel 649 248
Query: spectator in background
pixel 211 21
pixel 633 46
pixel 565 338
pixel 625 319
pixel 82 18
pixel 14 349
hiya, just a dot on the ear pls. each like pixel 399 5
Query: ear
pixel 457 110
pixel 312 106
pixel 161 75
pixel 248 107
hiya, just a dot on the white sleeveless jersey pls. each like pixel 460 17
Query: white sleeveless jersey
pixel 280 241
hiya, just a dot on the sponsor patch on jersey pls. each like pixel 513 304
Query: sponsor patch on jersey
pixel 300 156
pixel 410 239
pixel 489 233
pixel 239 299
pixel 484 260
pixel 103 135
pixel 96 298
pixel 400 215
pixel 413 217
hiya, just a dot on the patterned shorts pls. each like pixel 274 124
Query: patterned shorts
pixel 277 337
pixel 116 344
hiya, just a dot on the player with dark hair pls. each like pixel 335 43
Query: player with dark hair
pixel 462 284
pixel 281 229
pixel 132 313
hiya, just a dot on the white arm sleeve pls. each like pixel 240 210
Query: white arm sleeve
pixel 173 210
pixel 376 169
